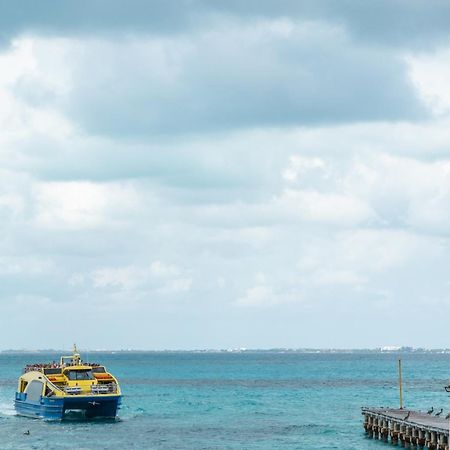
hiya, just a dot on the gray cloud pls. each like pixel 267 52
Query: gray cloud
pixel 267 74
pixel 408 24
pixel 93 17
pixel 398 22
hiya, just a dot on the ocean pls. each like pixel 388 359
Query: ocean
pixel 261 400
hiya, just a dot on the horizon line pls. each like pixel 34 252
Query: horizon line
pixel 383 349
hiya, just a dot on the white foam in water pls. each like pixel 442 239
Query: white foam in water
pixel 7 409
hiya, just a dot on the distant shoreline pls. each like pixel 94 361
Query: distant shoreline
pixel 380 350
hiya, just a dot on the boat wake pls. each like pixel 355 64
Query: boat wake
pixel 7 409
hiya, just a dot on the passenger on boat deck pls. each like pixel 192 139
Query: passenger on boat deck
pixel 30 367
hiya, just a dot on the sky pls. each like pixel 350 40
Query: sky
pixel 207 174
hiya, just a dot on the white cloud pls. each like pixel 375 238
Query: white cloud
pixel 359 259
pixel 176 286
pixel 123 277
pixel 404 191
pixel 328 208
pixel 299 165
pixel 12 202
pixel 266 292
pixel 159 269
pixel 76 279
pixel 82 205
pixel 259 295
pixel 25 265
pixel 37 66
pixel 158 276
pixel 335 276
pixel 430 73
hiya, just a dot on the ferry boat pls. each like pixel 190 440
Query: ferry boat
pixel 53 391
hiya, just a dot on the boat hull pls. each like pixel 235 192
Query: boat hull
pixel 56 408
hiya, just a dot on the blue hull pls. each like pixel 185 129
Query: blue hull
pixel 53 408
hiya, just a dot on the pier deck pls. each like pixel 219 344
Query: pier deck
pixel 407 427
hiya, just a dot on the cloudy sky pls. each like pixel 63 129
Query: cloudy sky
pixel 209 174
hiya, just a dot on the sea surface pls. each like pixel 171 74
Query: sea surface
pixel 225 400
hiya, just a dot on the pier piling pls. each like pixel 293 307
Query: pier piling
pixel 410 429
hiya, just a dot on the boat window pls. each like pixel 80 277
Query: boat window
pixel 99 369
pixel 52 371
pixel 79 375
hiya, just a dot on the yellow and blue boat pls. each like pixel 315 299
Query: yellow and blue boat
pixel 56 390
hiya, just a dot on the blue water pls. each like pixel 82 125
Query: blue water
pixel 233 400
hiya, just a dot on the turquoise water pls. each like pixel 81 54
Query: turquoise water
pixel 233 400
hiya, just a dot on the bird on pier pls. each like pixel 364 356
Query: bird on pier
pixel 407 415
pixel 430 411
pixel 439 413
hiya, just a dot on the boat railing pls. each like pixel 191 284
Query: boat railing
pixel 49 367
pixel 32 369
pixel 74 390
pixel 44 368
pixel 107 388
pixel 96 389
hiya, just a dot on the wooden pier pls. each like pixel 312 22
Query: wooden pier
pixel 410 429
